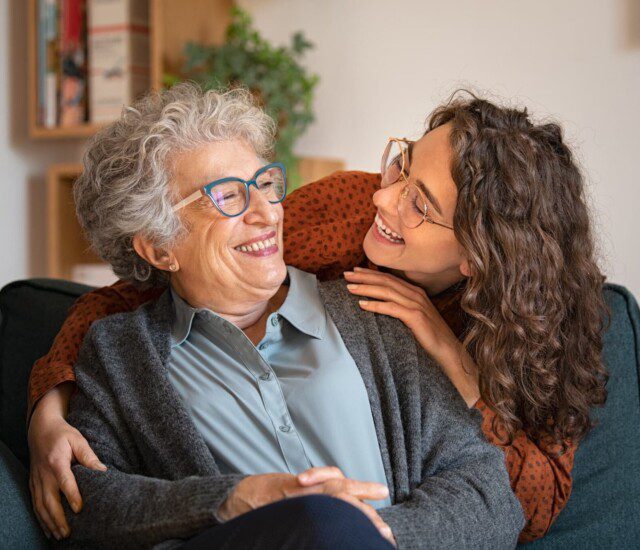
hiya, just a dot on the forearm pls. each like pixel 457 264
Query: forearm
pixel 132 511
pixel 461 370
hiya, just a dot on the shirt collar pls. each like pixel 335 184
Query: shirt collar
pixel 302 307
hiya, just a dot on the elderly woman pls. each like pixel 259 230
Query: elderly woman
pixel 214 405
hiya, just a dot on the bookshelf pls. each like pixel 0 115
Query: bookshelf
pixel 172 24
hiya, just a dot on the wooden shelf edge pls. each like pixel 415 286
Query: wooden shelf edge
pixel 70 132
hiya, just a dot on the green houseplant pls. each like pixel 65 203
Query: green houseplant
pixel 273 74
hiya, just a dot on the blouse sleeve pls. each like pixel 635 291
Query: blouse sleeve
pixel 326 221
pixel 57 366
pixel 540 475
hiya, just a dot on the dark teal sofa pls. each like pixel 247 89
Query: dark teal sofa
pixel 604 508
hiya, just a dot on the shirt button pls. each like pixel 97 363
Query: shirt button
pixel 285 428
pixel 263 345
pixel 274 321
pixel 266 376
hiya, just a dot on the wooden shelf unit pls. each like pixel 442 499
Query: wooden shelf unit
pixel 66 243
pixel 172 23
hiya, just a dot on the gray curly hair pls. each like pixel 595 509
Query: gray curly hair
pixel 124 187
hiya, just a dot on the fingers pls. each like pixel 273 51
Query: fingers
pixel 66 481
pixel 408 316
pixel 53 505
pixel 382 293
pixel 313 476
pixel 32 491
pixel 84 454
pixel 363 275
pixel 370 512
pixel 40 509
pixel 363 490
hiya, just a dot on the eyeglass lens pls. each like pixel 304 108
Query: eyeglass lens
pixel 231 196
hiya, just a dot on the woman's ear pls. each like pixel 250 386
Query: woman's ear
pixel 157 257
pixel 465 269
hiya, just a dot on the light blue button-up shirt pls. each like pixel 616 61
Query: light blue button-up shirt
pixel 294 401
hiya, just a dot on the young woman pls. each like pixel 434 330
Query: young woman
pixel 482 235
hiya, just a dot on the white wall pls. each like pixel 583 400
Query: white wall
pixel 386 64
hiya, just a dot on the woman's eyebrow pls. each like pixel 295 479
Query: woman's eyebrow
pixel 432 199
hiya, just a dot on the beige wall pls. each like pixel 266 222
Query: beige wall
pixel 386 64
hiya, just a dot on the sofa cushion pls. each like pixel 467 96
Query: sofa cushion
pixel 31 315
pixel 18 524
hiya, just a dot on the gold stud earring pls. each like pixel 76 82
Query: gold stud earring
pixel 173 267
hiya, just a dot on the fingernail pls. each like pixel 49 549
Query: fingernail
pixel 303 477
pixel 357 269
pixel 102 467
pixel 363 302
pixel 64 533
pixel 352 287
pixel 56 535
pixel 348 272
pixel 75 506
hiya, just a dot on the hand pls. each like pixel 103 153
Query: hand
pixel 330 480
pixel 53 444
pixel 409 303
pixel 260 490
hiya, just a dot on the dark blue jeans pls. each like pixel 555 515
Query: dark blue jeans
pixel 309 522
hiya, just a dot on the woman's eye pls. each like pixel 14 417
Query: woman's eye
pixel 420 207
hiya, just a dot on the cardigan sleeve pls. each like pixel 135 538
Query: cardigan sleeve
pixel 56 366
pixel 123 508
pixel 540 475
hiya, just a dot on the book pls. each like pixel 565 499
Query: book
pixel 50 79
pixel 73 63
pixel 118 37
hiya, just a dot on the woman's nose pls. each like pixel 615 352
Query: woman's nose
pixel 386 200
pixel 260 209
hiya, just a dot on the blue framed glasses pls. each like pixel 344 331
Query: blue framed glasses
pixel 231 195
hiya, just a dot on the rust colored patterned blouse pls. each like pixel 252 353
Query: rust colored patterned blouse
pixel 325 224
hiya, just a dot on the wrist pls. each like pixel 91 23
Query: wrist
pixel 460 368
pixel 56 401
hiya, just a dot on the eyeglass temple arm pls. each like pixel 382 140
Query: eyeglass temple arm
pixel 188 200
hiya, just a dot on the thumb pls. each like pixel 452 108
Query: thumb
pixel 84 454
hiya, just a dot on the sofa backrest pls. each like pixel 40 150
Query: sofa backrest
pixel 32 313
pixel 604 508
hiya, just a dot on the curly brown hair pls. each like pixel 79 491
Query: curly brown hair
pixel 534 300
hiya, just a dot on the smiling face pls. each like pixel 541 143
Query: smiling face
pixel 225 263
pixel 428 254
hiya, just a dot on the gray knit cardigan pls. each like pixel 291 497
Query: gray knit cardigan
pixel 449 486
